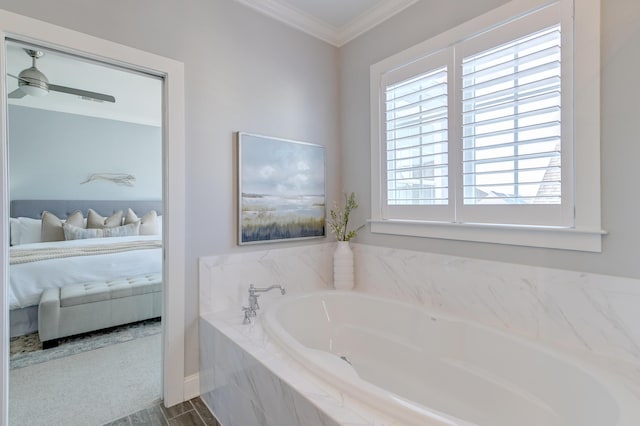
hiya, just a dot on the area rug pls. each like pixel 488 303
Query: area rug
pixel 27 350
pixel 90 388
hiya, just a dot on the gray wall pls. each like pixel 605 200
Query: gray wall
pixel 243 72
pixel 246 72
pixel 620 147
pixel 51 153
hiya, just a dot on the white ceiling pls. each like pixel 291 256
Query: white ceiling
pixel 334 21
pixel 138 97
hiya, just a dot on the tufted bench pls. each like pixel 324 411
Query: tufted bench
pixel 92 306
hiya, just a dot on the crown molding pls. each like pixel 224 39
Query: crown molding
pixel 336 36
pixel 371 18
pixel 294 18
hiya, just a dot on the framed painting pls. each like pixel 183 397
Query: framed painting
pixel 281 189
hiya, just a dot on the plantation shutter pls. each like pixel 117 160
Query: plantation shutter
pixel 511 113
pixel 416 114
pixel 415 149
pixel 481 132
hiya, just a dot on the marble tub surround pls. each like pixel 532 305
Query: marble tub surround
pixel 243 375
pixel 248 380
pixel 225 279
pixel 587 315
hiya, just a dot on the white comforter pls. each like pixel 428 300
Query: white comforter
pixel 27 281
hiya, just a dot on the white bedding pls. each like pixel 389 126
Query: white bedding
pixel 27 281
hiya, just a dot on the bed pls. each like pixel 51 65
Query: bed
pixel 37 266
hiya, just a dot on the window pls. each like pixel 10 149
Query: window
pixel 416 125
pixel 474 137
pixel 511 116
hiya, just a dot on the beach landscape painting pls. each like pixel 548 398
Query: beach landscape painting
pixel 281 189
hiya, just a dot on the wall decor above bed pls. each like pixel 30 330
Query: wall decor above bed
pixel 281 189
pixel 117 178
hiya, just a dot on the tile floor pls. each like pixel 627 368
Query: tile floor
pixel 190 413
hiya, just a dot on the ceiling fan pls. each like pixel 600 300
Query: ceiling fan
pixel 32 81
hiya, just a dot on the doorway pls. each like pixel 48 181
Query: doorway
pixel 49 36
pixel 93 146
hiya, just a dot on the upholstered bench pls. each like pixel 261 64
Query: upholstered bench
pixel 92 306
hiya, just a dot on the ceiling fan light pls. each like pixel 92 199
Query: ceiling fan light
pixel 32 82
pixel 33 90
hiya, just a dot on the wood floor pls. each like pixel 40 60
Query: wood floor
pixel 190 413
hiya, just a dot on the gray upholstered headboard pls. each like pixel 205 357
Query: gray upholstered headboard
pixel 62 208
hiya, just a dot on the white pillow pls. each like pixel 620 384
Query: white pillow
pixel 25 230
pixel 76 233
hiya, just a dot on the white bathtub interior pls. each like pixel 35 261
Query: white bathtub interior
pixel 407 359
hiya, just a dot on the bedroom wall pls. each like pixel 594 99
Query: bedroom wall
pixel 620 150
pixel 243 72
pixel 51 159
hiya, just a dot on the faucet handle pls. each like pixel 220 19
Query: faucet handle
pixel 253 301
pixel 247 315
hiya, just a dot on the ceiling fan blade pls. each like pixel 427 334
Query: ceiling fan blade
pixel 17 94
pixel 83 93
pixel 15 76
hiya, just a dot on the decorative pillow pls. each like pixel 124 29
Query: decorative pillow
pixel 52 226
pixel 13 235
pixel 94 220
pixel 76 233
pixel 148 222
pixel 25 230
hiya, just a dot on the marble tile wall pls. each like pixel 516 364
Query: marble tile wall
pixel 224 279
pixel 580 312
pixel 584 314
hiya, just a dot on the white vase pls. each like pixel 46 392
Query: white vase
pixel 343 266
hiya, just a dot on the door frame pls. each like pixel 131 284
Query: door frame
pixel 30 30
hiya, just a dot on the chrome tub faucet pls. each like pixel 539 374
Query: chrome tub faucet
pixel 250 311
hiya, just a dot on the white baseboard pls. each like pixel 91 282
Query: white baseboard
pixel 191 386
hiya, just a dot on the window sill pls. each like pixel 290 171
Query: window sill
pixel 589 240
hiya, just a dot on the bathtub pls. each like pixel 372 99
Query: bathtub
pixel 426 369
